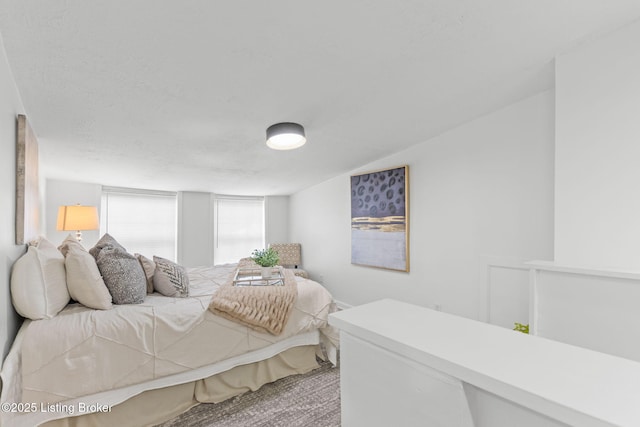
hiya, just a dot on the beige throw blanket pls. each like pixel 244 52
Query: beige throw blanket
pixel 264 308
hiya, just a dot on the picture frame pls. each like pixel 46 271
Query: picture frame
pixel 380 219
pixel 27 182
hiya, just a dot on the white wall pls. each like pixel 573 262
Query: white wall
pixel 482 189
pixel 10 107
pixel 276 219
pixel 597 208
pixel 195 228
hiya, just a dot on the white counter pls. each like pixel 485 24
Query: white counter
pixel 567 384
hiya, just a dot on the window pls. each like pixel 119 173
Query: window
pixel 142 221
pixel 239 227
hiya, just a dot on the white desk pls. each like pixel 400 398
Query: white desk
pixel 409 365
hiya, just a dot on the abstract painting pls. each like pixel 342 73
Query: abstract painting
pixel 27 194
pixel 380 219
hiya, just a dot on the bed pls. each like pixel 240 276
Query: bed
pixel 140 364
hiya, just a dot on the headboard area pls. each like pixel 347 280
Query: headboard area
pixel 9 319
pixel 595 309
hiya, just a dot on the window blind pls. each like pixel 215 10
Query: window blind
pixel 239 227
pixel 142 221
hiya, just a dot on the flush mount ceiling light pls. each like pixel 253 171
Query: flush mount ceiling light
pixel 285 136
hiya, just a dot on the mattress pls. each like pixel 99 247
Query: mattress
pixel 162 342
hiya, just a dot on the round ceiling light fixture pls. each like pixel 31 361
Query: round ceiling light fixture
pixel 285 136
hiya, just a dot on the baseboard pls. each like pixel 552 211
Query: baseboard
pixel 342 305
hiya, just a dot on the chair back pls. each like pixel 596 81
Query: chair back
pixel 289 253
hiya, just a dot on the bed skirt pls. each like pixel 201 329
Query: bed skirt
pixel 130 407
pixel 156 406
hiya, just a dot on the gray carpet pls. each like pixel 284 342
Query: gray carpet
pixel 307 400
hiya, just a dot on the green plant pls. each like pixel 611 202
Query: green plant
pixel 521 328
pixel 265 257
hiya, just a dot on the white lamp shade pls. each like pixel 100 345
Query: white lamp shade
pixel 285 136
pixel 77 218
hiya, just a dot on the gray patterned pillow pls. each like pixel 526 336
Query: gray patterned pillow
pixel 105 241
pixel 170 279
pixel 123 275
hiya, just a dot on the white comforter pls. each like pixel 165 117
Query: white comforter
pixel 83 351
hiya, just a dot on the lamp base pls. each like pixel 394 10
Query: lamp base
pixel 79 236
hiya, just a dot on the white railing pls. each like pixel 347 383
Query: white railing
pixel 407 365
pixel 593 308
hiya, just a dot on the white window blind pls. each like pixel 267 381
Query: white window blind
pixel 142 221
pixel 239 227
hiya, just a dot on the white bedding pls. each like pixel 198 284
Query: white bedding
pixel 82 352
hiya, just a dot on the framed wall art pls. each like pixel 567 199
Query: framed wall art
pixel 380 219
pixel 27 193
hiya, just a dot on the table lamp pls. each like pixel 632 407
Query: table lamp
pixel 76 217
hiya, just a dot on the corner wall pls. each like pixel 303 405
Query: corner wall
pixel 482 189
pixel 195 228
pixel 597 208
pixel 276 218
pixel 10 107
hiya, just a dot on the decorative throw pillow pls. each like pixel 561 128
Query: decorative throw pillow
pixel 170 279
pixel 83 277
pixel 123 275
pixel 149 268
pixel 38 282
pixel 105 241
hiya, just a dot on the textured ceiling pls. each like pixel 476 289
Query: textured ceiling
pixel 176 95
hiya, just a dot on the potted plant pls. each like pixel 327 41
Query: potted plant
pixel 267 259
pixel 521 327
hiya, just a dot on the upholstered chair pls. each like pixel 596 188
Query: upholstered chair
pixel 289 254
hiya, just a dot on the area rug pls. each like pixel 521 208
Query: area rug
pixel 307 400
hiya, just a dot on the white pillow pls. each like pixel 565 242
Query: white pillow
pixel 38 282
pixel 83 277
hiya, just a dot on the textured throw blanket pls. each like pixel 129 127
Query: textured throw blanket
pixel 264 308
